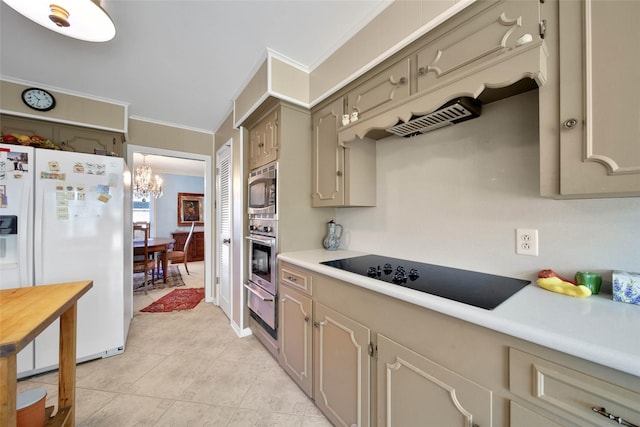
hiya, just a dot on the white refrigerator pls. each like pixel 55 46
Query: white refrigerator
pixel 71 213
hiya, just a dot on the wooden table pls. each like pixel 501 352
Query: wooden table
pixel 24 314
pixel 156 244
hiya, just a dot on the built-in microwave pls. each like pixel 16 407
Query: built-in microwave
pixel 262 198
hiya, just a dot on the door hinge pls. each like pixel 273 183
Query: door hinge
pixel 217 280
pixel 217 171
pixel 543 28
pixel 373 350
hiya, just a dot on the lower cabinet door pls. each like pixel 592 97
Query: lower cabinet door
pixel 341 368
pixel 414 391
pixel 295 337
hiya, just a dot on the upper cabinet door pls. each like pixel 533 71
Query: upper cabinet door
pixel 264 141
pixel 386 88
pixel 328 157
pixel 599 98
pixel 500 28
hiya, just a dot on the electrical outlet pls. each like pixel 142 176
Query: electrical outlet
pixel 527 241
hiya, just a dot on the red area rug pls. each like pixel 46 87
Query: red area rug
pixel 176 300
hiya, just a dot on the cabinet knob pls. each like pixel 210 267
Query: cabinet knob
pixel 422 71
pixel 403 80
pixel 227 241
pixel 306 318
pixel 339 173
pixel 570 123
pixel 293 279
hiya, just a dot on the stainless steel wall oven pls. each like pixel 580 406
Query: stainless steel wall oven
pixel 262 289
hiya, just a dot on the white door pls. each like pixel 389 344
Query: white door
pixel 223 220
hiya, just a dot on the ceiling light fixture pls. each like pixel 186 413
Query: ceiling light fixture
pixel 81 19
pixel 145 185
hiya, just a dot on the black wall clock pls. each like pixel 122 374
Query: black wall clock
pixel 38 99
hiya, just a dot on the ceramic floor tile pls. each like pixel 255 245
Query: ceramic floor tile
pixel 115 373
pixel 250 417
pixel 248 350
pixel 195 415
pixel 262 394
pixel 88 402
pixel 128 410
pixel 170 377
pixel 223 383
pixel 318 421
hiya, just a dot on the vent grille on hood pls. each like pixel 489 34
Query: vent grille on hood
pixel 456 111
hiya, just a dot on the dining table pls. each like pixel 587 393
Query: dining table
pixel 159 245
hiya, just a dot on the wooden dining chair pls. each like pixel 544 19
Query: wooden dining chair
pixel 182 256
pixel 144 264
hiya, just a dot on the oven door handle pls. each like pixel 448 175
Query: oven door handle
pixel 265 241
pixel 258 293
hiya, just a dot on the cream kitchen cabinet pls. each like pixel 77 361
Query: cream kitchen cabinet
pixel 522 417
pixel 569 394
pixel 480 36
pixel 341 368
pixel 264 141
pixel 295 326
pixel 413 390
pixel 343 174
pixel 387 87
pixel 590 144
pixel 67 137
pixel 330 360
pixel 489 51
pixel 84 140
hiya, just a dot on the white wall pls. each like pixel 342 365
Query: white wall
pixel 455 197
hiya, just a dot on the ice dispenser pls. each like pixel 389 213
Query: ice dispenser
pixel 8 240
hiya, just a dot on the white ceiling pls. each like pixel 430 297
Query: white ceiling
pixel 179 61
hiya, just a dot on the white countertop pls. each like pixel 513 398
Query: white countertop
pixel 594 328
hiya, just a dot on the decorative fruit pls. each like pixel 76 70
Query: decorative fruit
pixel 24 139
pixel 555 284
pixel 550 273
pixel 10 139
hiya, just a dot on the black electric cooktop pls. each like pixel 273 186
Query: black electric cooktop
pixel 469 287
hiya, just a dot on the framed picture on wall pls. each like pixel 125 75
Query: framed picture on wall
pixel 190 208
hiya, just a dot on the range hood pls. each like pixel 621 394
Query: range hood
pixel 456 111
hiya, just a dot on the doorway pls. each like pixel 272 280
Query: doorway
pixel 166 158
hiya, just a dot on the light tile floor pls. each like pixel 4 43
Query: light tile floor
pixel 185 369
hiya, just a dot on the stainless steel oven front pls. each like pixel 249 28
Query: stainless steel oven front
pixel 262 286
pixel 262 261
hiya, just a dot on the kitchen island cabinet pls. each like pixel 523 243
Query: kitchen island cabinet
pixel 426 344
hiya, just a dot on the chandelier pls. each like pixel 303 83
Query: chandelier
pixel 145 185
